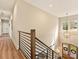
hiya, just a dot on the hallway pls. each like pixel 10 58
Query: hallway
pixel 7 49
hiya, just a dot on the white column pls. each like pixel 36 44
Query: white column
pixel 10 28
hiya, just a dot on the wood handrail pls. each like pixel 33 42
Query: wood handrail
pixel 69 44
pixel 45 44
pixel 24 32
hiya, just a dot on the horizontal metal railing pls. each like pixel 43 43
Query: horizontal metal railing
pixel 44 51
pixel 36 49
pixel 25 43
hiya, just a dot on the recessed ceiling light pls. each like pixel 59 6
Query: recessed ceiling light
pixel 50 5
pixel 67 13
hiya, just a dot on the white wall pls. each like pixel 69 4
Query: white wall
pixel 28 17
pixel 72 34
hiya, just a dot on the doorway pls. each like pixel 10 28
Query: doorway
pixel 5 27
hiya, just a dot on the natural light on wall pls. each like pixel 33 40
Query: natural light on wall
pixel 54 39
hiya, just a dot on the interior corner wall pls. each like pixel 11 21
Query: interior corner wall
pixel 26 17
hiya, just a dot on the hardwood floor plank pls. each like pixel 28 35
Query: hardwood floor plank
pixel 8 50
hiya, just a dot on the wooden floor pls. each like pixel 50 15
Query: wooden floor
pixel 7 49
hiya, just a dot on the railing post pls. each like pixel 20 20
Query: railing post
pixel 47 54
pixel 19 39
pixel 33 44
pixel 52 54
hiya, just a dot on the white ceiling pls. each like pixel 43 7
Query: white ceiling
pixel 58 8
pixel 7 5
pixel 6 8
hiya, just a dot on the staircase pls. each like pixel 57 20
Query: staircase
pixel 33 48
